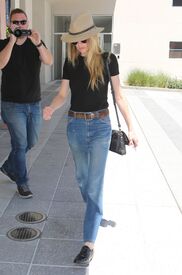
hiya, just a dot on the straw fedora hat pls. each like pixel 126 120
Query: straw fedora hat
pixel 81 28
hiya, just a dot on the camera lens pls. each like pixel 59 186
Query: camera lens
pixel 17 33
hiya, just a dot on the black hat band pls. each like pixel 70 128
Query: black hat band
pixel 75 33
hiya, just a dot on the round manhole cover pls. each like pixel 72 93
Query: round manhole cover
pixel 23 234
pixel 31 217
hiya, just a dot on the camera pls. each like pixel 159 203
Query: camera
pixel 19 32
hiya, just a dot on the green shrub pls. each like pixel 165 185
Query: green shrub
pixel 161 80
pixel 137 78
pixel 141 78
pixel 175 84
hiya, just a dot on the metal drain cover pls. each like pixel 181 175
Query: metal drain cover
pixel 31 217
pixel 23 234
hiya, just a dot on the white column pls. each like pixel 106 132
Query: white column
pixel 2 19
pixel 15 4
pixel 26 5
pixel 42 23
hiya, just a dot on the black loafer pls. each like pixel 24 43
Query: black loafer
pixel 85 256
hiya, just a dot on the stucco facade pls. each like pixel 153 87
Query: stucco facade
pixel 143 30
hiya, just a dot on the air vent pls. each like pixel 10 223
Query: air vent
pixel 23 234
pixel 31 217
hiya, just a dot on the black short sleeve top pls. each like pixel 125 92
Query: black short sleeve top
pixel 21 76
pixel 83 98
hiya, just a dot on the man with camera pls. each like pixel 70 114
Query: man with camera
pixel 21 55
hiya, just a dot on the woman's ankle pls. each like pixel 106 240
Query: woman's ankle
pixel 90 245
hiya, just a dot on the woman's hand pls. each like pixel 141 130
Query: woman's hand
pixel 133 140
pixel 58 100
pixel 47 113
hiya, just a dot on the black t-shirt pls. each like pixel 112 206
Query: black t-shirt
pixel 21 76
pixel 83 98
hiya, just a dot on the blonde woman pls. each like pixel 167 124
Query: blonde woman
pixel 89 128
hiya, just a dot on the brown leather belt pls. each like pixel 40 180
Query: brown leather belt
pixel 89 115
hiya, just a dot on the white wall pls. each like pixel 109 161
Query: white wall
pixel 2 20
pixel 15 4
pixel 27 6
pixel 75 6
pixel 144 28
pixel 41 19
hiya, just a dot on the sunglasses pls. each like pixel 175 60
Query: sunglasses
pixel 16 22
pixel 83 41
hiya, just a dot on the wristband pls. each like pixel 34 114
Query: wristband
pixel 39 45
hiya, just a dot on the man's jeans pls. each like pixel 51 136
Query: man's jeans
pixel 23 121
pixel 89 141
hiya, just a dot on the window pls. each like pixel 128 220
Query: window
pixel 175 49
pixel 177 3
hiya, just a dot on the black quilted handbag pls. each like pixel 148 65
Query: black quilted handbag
pixel 119 139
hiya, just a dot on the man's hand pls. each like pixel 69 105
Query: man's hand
pixel 35 37
pixel 12 38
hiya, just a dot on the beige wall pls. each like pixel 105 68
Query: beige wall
pixel 2 20
pixel 144 29
pixel 75 6
pixel 41 19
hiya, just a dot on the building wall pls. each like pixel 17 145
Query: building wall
pixel 144 30
pixel 41 21
pixel 2 19
pixel 95 7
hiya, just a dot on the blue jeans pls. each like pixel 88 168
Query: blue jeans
pixel 89 141
pixel 23 121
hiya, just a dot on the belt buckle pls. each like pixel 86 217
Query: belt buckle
pixel 89 116
pixel 92 115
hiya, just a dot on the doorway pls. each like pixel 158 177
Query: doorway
pixel 61 25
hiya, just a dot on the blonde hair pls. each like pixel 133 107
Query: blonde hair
pixel 93 60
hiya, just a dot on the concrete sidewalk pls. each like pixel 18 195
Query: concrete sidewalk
pixel 143 196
